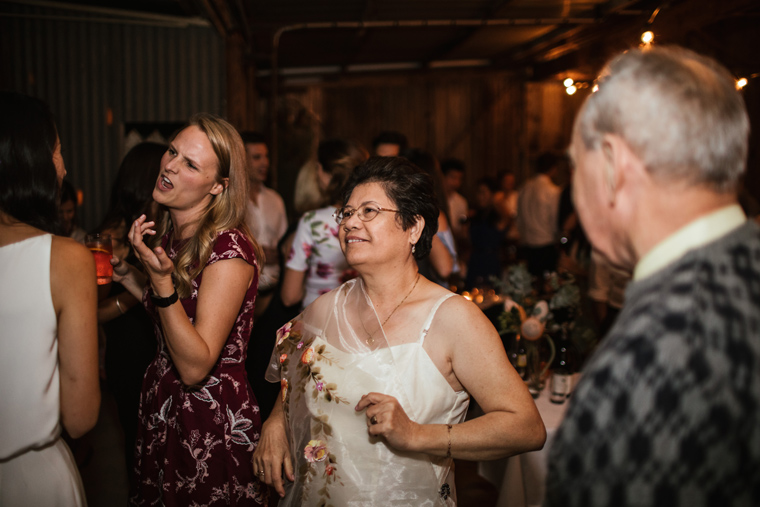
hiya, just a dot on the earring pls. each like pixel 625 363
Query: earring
pixel 414 247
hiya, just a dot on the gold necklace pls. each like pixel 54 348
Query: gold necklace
pixel 371 340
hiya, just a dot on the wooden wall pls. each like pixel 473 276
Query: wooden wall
pixel 493 122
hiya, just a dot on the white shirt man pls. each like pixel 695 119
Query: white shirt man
pixel 265 212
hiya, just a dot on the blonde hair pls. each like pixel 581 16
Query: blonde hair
pixel 225 211
pixel 307 196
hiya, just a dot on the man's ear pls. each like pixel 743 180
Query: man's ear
pixel 616 155
pixel 218 188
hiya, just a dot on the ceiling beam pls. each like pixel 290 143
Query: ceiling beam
pixel 546 42
pixel 447 49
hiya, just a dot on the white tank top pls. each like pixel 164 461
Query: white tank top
pixel 29 381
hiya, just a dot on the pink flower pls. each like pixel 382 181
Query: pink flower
pixel 306 249
pixel 316 450
pixel 308 356
pixel 284 332
pixel 320 385
pixel 300 344
pixel 283 357
pixel 324 270
pixel 329 469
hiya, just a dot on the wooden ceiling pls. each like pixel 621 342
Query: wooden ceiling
pixel 540 37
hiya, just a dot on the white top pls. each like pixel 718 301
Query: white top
pixel 316 250
pixel 29 381
pixel 537 208
pixel 36 466
pixel 336 458
pixel 268 222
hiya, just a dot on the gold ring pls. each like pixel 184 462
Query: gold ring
pixel 373 420
pixel 261 473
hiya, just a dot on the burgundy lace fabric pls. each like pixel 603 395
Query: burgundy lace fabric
pixel 195 444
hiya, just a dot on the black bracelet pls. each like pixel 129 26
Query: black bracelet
pixel 164 302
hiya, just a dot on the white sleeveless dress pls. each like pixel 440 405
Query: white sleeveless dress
pixel 36 466
pixel 337 462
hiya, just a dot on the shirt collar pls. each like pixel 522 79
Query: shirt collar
pixel 693 235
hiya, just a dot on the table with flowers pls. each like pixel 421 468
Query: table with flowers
pixel 529 312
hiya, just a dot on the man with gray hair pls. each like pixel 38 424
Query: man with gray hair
pixel 668 409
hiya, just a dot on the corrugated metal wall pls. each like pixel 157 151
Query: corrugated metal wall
pixel 98 75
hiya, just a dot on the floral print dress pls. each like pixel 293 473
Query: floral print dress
pixel 316 250
pixel 195 444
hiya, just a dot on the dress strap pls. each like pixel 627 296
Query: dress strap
pixel 429 320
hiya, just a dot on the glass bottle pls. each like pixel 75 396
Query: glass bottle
pixel 563 370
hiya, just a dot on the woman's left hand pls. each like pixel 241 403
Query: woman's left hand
pixel 386 418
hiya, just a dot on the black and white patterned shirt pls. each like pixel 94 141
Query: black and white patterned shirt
pixel 668 410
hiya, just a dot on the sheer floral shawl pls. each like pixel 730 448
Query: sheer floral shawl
pixel 326 359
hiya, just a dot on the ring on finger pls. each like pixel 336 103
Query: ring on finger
pixel 261 473
pixel 373 420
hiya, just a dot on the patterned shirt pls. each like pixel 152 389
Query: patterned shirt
pixel 668 410
pixel 316 250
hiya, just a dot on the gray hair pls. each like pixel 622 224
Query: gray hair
pixel 678 111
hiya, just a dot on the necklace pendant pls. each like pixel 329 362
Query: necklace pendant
pixel 370 340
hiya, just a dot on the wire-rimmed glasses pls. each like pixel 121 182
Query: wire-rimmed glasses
pixel 366 212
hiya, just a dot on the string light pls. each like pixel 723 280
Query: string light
pixel 647 37
pixel 595 88
pixel 571 89
pixel 568 82
pixel 741 83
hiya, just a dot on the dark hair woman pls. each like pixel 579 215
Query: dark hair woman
pixel 130 339
pixel 48 337
pixel 399 349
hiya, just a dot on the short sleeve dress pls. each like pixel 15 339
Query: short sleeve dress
pixel 316 250
pixel 195 444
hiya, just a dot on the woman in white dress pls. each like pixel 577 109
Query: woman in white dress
pixel 377 375
pixel 48 304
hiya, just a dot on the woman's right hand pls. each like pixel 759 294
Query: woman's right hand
pixel 272 455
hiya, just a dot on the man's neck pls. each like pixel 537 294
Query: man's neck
pixel 681 206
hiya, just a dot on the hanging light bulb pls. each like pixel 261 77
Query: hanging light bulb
pixel 571 89
pixel 595 88
pixel 741 83
pixel 568 82
pixel 647 37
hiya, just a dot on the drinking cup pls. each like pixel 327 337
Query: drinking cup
pixel 101 247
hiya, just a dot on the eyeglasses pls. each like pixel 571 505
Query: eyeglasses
pixel 365 213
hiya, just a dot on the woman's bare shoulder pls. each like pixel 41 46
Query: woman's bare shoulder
pixel 71 250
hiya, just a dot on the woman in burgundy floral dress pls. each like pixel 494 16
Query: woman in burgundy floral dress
pixel 199 421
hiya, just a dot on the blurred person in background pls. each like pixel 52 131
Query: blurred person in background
pixel 537 207
pixel 442 261
pixel 316 264
pixel 265 215
pixel 389 143
pixel 130 339
pixel 67 212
